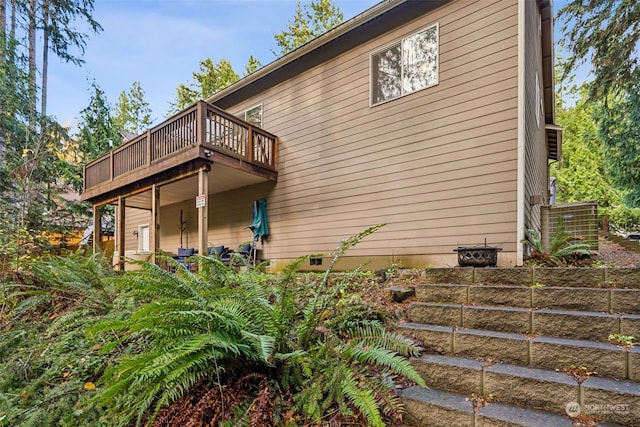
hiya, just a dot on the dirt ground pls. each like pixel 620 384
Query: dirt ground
pixel 613 254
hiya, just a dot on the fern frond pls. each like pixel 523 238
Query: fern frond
pixel 263 345
pixel 363 400
pixel 70 319
pixel 320 300
pixel 373 333
pixel 383 358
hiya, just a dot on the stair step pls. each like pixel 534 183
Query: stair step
pixel 435 408
pixel 532 342
pixel 616 277
pixel 607 359
pixel 567 298
pixel 608 399
pixel 585 325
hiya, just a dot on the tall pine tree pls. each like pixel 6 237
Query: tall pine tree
pixel 309 21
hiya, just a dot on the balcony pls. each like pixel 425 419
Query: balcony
pixel 195 138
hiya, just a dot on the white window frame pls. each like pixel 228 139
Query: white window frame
pixel 538 100
pixel 142 243
pixel 399 42
pixel 244 115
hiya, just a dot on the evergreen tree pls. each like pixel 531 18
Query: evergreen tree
pixel 605 32
pixel 618 127
pixel 253 64
pixel 309 21
pixel 185 97
pixel 132 112
pixel 32 145
pixel 97 133
pixel 581 173
pixel 212 78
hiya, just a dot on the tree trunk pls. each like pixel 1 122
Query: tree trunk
pixel 3 29
pixel 45 56
pixel 31 36
pixel 12 29
pixel 32 63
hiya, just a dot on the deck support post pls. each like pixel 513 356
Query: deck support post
pixel 120 224
pixel 203 218
pixel 97 228
pixel 155 221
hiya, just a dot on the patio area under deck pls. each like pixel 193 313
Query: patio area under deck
pixel 198 152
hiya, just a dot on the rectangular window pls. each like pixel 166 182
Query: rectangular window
pixel 144 238
pixel 405 67
pixel 254 116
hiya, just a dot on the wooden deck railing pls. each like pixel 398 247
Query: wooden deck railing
pixel 201 125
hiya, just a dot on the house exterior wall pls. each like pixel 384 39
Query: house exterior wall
pixel 438 166
pixel 133 219
pixel 536 164
pixel 230 213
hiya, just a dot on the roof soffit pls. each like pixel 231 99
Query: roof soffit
pixel 375 21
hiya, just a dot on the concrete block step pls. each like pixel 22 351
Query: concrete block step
pixel 574 324
pixel 607 399
pixel 436 408
pixel 559 298
pixel 589 277
pixel 606 359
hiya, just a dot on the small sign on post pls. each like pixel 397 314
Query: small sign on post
pixel 200 201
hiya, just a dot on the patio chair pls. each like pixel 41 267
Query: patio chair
pixel 183 256
pixel 247 251
pixel 223 253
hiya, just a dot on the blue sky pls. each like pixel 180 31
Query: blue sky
pixel 161 42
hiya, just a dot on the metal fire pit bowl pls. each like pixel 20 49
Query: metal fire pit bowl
pixel 477 256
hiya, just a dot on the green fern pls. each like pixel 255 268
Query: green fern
pixel 166 332
pixel 562 247
pixel 383 358
pixel 373 333
pixel 363 399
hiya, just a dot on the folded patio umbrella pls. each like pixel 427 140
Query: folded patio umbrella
pixel 260 225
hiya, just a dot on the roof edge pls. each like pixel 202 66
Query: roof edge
pixel 347 26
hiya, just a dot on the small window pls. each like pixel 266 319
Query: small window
pixel 405 67
pixel 144 238
pixel 254 116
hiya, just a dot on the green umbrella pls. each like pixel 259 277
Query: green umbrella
pixel 260 226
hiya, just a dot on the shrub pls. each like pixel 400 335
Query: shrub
pixel 563 248
pixel 200 326
pixel 47 365
pixel 87 347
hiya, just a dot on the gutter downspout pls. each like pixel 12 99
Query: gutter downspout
pixel 521 136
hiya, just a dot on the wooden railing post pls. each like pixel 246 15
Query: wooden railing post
pixel 148 148
pixel 201 123
pixel 120 231
pixel 111 166
pixel 274 157
pixel 250 148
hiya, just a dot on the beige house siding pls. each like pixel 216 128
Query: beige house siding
pixel 439 165
pixel 230 213
pixel 536 176
pixel 134 217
